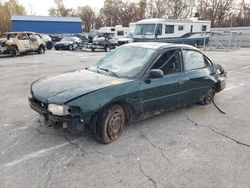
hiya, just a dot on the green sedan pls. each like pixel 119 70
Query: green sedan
pixel 133 82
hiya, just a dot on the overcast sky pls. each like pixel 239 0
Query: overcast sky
pixel 40 7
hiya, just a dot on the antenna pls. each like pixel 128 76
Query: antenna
pixel 31 13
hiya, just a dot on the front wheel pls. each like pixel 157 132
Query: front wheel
pixel 208 98
pixel 110 124
pixel 13 51
pixel 41 50
pixel 49 45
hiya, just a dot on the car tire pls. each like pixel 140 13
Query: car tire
pixel 13 51
pixel 196 44
pixel 107 49
pixel 49 46
pixel 93 49
pixel 41 50
pixel 208 98
pixel 70 47
pixel 56 48
pixel 109 124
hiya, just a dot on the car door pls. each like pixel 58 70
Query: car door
pixel 33 42
pixel 162 93
pixel 198 70
pixel 23 42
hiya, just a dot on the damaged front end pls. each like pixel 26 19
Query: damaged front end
pixel 60 116
pixel 222 75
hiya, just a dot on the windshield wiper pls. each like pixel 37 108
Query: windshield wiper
pixel 110 72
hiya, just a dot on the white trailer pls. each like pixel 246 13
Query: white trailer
pixel 186 31
pixel 117 32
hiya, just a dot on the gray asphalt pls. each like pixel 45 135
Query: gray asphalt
pixel 195 146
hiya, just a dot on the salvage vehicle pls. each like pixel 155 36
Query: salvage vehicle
pixel 105 41
pixel 47 39
pixel 68 43
pixel 133 82
pixel 15 43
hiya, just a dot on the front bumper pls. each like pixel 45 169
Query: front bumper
pixel 221 84
pixel 75 124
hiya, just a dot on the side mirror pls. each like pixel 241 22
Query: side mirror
pixel 156 73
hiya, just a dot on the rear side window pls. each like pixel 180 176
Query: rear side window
pixel 119 33
pixel 193 60
pixel 204 28
pixel 180 27
pixel 169 29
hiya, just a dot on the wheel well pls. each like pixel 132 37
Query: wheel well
pixel 14 45
pixel 128 109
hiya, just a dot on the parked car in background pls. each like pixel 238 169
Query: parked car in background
pixel 48 41
pixel 83 37
pixel 127 39
pixel 133 82
pixel 68 43
pixel 15 43
pixel 104 41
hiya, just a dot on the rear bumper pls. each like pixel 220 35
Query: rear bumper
pixel 74 124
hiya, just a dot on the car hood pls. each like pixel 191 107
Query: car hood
pixel 124 39
pixel 62 88
pixel 64 42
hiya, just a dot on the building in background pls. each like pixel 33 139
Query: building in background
pixel 47 24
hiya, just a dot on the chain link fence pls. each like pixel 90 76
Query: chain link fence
pixel 227 39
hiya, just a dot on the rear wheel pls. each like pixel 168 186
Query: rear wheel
pixel 93 49
pixel 70 47
pixel 208 98
pixel 41 50
pixel 109 125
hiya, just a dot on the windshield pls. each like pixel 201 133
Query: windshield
pixel 68 39
pixel 145 29
pixel 125 61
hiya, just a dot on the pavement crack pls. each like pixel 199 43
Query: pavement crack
pixel 161 149
pixel 146 175
pixel 233 139
pixel 216 132
pixel 75 145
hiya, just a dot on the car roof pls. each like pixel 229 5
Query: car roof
pixel 20 32
pixel 159 45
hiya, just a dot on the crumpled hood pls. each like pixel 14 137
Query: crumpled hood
pixel 59 89
pixel 64 42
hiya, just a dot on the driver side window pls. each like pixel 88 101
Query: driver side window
pixel 22 36
pixel 169 62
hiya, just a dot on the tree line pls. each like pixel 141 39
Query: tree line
pixel 222 13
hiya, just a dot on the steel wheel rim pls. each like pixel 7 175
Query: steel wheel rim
pixel 210 96
pixel 115 124
pixel 13 52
